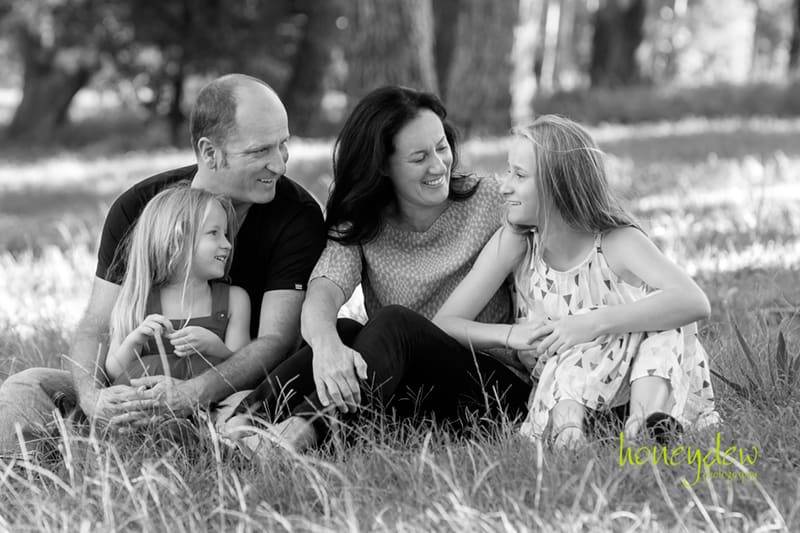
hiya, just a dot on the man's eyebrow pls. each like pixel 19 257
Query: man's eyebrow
pixel 259 147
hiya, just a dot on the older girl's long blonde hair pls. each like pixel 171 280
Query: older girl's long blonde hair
pixel 570 178
pixel 160 249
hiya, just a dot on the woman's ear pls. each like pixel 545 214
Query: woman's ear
pixel 207 153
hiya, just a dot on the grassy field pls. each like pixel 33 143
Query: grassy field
pixel 720 197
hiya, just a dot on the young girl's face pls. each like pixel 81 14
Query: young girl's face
pixel 212 248
pixel 520 185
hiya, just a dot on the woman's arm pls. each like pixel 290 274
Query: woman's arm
pixel 457 316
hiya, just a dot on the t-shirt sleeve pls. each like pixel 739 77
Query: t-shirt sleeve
pixel 341 264
pixel 115 228
pixel 297 251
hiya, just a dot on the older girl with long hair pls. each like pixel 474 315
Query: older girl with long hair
pixel 603 317
pixel 177 254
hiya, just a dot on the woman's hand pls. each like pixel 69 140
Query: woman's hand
pixel 564 333
pixel 195 339
pixel 151 326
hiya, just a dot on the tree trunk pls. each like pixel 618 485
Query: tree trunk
pixel 445 17
pixel 548 81
pixel 618 32
pixel 303 94
pixel 794 45
pixel 175 115
pixel 523 57
pixel 49 85
pixel 390 42
pixel 479 94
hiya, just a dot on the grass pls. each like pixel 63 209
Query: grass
pixel 720 197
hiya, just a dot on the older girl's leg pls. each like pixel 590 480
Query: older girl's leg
pixel 567 424
pixel 650 394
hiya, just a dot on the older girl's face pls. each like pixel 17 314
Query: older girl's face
pixel 420 165
pixel 519 186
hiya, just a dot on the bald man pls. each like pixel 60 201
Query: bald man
pixel 239 131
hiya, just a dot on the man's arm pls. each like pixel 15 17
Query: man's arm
pixel 88 358
pixel 90 346
pixel 278 331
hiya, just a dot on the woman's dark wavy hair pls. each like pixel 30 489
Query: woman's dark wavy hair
pixel 361 188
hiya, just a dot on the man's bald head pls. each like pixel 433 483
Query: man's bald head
pixel 214 112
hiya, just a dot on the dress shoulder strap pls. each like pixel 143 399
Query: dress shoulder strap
pixel 598 242
pixel 219 299
pixel 153 306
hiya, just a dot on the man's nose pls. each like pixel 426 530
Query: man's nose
pixel 277 164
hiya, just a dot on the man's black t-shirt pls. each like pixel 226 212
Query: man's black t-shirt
pixel 276 247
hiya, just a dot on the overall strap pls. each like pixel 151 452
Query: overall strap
pixel 219 299
pixel 154 302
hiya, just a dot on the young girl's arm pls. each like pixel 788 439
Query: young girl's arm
pixel 238 333
pixel 634 257
pixel 122 352
pixel 456 317
pixel 192 340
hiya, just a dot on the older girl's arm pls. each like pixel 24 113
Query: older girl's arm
pixel 457 316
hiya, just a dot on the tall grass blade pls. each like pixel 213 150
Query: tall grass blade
pixel 784 370
pixel 741 391
pixel 748 353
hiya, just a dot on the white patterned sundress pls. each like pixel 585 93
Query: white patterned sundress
pixel 598 374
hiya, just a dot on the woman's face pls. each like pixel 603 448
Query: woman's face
pixel 519 187
pixel 420 165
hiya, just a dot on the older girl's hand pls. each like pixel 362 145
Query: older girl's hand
pixel 564 333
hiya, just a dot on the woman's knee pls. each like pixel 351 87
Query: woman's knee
pixel 397 318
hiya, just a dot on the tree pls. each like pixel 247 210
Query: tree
pixel 59 44
pixel 173 39
pixel 303 93
pixel 445 16
pixel 618 32
pixel 794 45
pixel 389 42
pixel 479 86
pixel 524 51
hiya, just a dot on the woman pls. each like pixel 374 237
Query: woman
pixel 407 227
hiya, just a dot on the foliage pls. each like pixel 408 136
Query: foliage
pixel 774 386
pixel 644 103
pixel 730 219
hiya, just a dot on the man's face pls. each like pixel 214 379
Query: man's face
pixel 254 155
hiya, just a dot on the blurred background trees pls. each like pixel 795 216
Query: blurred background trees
pixel 493 62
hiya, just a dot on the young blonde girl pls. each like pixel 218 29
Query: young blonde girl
pixel 176 256
pixel 603 317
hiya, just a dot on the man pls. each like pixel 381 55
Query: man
pixel 239 133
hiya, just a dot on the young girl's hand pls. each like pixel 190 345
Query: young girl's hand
pixel 151 326
pixel 563 334
pixel 193 339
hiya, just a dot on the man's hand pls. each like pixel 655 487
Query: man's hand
pixel 195 339
pixel 110 402
pixel 335 370
pixel 174 397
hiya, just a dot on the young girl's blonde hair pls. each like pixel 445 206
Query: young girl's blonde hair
pixel 160 248
pixel 570 173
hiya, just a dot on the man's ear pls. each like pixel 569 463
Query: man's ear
pixel 207 153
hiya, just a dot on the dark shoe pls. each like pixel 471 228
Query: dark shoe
pixel 663 428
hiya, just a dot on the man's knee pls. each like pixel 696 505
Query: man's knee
pixel 25 378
